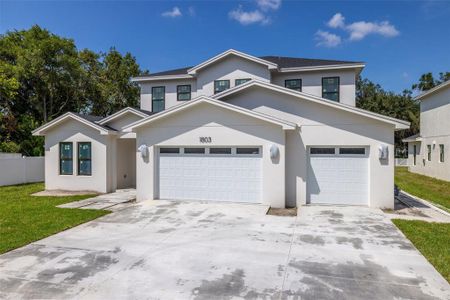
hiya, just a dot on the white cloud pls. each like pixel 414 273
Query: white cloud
pixel 266 5
pixel 327 39
pixel 359 30
pixel 175 12
pixel 248 17
pixel 337 21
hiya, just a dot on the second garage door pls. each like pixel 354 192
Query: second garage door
pixel 218 174
pixel 338 175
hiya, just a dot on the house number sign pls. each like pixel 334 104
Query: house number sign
pixel 205 139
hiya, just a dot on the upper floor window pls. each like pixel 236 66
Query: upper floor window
pixel 241 81
pixel 84 158
pixel 221 85
pixel 330 88
pixel 66 158
pixel 183 92
pixel 158 98
pixel 293 84
pixel 429 152
pixel 441 153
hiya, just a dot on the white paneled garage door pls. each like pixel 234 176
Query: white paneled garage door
pixel 338 175
pixel 220 174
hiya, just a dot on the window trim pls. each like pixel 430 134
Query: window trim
pixel 429 152
pixel 441 153
pixel 79 159
pixel 338 89
pixel 216 81
pixel 179 93
pixel 163 99
pixel 292 79
pixel 60 157
pixel 236 80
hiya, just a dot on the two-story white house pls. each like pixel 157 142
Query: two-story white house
pixel 428 151
pixel 281 131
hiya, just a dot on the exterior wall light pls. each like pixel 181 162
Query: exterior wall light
pixel 274 151
pixel 144 151
pixel 383 152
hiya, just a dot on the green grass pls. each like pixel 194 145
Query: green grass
pixel 432 240
pixel 431 189
pixel 25 218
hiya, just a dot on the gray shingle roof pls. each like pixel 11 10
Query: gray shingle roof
pixel 281 61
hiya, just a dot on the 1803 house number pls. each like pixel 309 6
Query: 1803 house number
pixel 205 139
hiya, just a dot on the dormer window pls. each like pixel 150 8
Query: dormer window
pixel 293 84
pixel 221 85
pixel 184 92
pixel 241 81
pixel 330 88
pixel 158 98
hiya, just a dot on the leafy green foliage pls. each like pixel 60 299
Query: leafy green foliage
pixel 427 81
pixel 43 76
pixel 428 188
pixel 432 240
pixel 25 218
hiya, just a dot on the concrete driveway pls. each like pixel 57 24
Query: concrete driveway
pixel 179 250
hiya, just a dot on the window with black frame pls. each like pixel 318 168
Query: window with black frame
pixel 221 85
pixel 330 88
pixel 66 158
pixel 241 81
pixel 158 98
pixel 293 84
pixel 184 92
pixel 84 159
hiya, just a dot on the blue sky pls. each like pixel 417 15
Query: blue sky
pixel 399 40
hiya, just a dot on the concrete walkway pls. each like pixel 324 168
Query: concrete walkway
pixel 112 201
pixel 197 250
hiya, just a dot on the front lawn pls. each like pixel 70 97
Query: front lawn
pixel 25 218
pixel 432 240
pixel 431 189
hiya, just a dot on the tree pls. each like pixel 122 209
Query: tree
pixel 427 81
pixel 43 76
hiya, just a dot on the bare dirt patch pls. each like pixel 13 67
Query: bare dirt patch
pixel 282 212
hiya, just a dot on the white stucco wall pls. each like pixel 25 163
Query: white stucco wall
pixel 171 92
pixel 226 128
pixel 434 130
pixel 312 82
pixel 320 126
pixel 103 178
pixel 229 68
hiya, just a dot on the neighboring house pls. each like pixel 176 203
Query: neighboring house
pixel 275 130
pixel 429 151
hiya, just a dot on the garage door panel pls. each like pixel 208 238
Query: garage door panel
pixel 338 179
pixel 209 177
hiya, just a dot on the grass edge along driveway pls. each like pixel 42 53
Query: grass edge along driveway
pixel 432 240
pixel 428 188
pixel 25 218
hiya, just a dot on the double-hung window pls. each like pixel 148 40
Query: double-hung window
pixel 429 152
pixel 330 88
pixel 158 98
pixel 293 84
pixel 84 158
pixel 441 153
pixel 184 92
pixel 221 85
pixel 65 158
pixel 241 81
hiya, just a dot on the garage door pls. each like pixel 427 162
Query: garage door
pixel 338 175
pixel 218 174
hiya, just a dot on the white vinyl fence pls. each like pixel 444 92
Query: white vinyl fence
pixel 16 170
pixel 401 162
